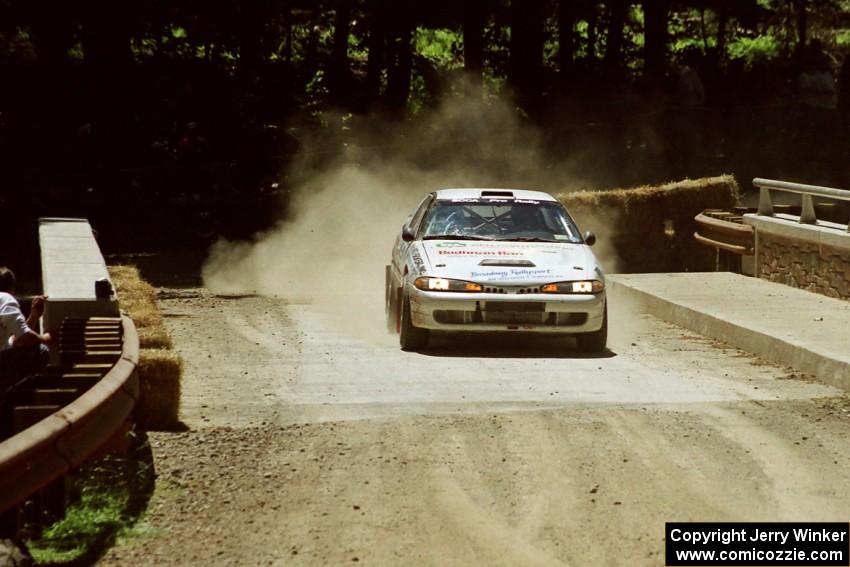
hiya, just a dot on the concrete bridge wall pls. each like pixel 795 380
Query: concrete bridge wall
pixel 811 257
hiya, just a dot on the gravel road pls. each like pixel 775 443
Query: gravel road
pixel 313 440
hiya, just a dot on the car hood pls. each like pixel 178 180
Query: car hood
pixel 512 263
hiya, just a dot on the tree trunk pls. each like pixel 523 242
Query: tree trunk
pixel 250 38
pixel 106 35
pixel 54 31
pixel 656 13
pixel 287 49
pixel 802 24
pixel 567 16
pixel 107 58
pixel 526 58
pixel 401 57
pixel 722 17
pixel 338 66
pixel 592 31
pixel 311 51
pixel 377 42
pixel 473 43
pixel 614 39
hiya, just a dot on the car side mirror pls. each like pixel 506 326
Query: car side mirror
pixel 589 238
pixel 407 234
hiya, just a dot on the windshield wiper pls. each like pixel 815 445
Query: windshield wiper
pixel 454 237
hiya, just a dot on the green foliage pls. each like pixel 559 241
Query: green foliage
pixel 493 85
pixel 418 95
pixel 685 44
pixel 755 49
pixel 582 32
pixel 442 47
pixel 111 495
pixel 842 38
pixel 17 44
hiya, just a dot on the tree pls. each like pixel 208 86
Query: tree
pixel 400 60
pixel 338 66
pixel 526 49
pixel 250 30
pixel 614 41
pixel 567 17
pixel 106 34
pixel 802 25
pixel 54 35
pixel 377 38
pixel 474 16
pixel 656 13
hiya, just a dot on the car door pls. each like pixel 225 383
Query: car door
pixel 401 249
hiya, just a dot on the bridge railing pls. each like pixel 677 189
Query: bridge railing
pixel 806 192
pixel 81 404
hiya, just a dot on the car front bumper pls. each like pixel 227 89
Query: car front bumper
pixel 488 312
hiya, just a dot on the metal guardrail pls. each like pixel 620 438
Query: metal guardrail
pixel 724 231
pixel 40 454
pixel 806 192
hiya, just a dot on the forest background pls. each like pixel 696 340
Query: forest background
pixel 200 118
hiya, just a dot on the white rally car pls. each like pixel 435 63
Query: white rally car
pixel 494 260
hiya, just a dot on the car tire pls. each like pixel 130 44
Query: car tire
pixel 390 303
pixel 595 341
pixel 410 336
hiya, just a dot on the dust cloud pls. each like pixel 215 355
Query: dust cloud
pixel 342 221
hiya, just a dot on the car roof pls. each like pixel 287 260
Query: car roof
pixel 478 193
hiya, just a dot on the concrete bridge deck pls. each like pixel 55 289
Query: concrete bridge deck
pixel 788 326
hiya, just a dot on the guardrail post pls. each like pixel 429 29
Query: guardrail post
pixel 807 211
pixel 765 203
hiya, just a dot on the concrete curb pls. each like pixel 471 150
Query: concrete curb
pixel 786 352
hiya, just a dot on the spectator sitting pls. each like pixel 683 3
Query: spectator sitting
pixel 22 350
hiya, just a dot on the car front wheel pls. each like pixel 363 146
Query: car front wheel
pixel 411 337
pixel 391 303
pixel 597 340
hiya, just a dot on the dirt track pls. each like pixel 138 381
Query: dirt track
pixel 314 441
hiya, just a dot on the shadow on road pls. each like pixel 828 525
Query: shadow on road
pixel 476 345
pixel 178 268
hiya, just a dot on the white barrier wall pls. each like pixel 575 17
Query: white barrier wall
pixel 71 263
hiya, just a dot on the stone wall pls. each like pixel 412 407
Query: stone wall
pixel 807 256
pixel 806 265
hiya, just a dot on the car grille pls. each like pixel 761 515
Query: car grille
pixel 539 317
pixel 517 290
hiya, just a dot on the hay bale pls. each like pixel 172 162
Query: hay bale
pixel 136 296
pixel 154 337
pixel 159 368
pixel 159 389
pixel 650 229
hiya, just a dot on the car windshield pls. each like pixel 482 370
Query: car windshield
pixel 492 219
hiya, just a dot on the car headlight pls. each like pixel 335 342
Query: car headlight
pixel 443 284
pixel 584 286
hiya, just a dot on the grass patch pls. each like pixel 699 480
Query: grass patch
pixel 108 498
